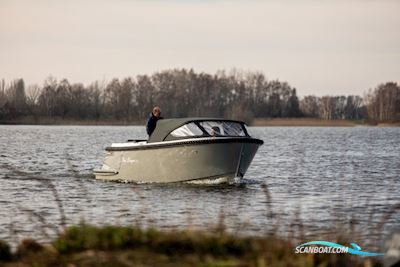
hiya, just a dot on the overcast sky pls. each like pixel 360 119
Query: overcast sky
pixel 318 46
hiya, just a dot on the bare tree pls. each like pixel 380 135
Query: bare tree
pixel 383 102
pixel 182 92
pixel 327 107
pixel 3 96
pixel 16 96
pixel 310 106
pixel 32 97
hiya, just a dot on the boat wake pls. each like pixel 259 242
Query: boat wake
pixel 215 181
pixel 205 181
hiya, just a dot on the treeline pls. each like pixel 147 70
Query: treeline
pixel 183 93
pixel 334 107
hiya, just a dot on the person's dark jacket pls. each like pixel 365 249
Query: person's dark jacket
pixel 151 124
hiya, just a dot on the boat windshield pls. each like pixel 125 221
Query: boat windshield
pixel 223 128
pixel 209 128
pixel 190 129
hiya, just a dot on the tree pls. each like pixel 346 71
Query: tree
pixel 180 93
pixel 310 106
pixel 383 103
pixel 63 99
pixel 96 92
pixel 32 96
pixel 47 97
pixel 327 107
pixel 293 106
pixel 145 95
pixel 16 96
pixel 353 109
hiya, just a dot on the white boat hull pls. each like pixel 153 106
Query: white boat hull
pixel 211 159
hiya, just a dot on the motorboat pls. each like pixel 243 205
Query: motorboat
pixel 183 150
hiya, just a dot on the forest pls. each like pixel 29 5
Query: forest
pixel 185 93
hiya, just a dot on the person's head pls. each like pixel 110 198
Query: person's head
pixel 156 111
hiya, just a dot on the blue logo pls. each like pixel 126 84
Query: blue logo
pixel 330 247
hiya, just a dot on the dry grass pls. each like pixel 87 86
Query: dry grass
pixel 311 122
pixel 41 120
pixel 302 122
pixel 388 124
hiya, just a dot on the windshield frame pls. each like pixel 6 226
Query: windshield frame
pixel 205 133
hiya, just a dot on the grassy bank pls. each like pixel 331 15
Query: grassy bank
pixel 86 245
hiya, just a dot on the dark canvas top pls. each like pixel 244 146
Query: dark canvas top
pixel 166 126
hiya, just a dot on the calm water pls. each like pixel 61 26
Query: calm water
pixel 320 179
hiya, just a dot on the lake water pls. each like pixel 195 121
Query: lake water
pixel 319 182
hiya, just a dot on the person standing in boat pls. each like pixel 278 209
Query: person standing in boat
pixel 152 122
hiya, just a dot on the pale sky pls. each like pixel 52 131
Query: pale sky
pixel 318 46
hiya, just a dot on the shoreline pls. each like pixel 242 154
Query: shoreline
pixel 261 122
pixel 30 120
pixel 302 122
pixel 312 122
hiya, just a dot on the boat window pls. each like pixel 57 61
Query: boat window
pixel 190 129
pixel 223 128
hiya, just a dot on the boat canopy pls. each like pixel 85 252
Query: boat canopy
pixel 173 129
